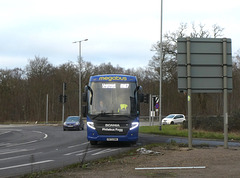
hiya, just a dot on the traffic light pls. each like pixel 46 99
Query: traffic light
pixel 60 98
pixel 65 98
pixel 65 86
pixel 146 98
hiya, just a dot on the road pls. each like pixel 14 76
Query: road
pixel 26 149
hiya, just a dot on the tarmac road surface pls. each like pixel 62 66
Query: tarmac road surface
pixel 25 149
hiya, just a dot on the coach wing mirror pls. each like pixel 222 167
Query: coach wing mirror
pixel 85 94
pixel 138 88
pixel 139 93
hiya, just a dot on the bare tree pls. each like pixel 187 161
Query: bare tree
pixel 38 72
pixel 169 63
pixel 12 94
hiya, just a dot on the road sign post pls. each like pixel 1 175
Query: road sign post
pixel 225 78
pixel 189 94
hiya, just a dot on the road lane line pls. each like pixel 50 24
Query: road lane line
pixel 45 135
pixel 33 141
pixel 15 151
pixel 5 132
pixel 15 157
pixel 86 152
pixel 75 152
pixel 24 143
pixel 78 145
pixel 105 151
pixel 81 152
pixel 5 144
pixel 23 165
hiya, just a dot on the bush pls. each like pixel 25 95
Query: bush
pixel 215 124
pixel 234 122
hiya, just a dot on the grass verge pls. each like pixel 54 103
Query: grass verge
pixel 176 130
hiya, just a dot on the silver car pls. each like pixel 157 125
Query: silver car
pixel 174 119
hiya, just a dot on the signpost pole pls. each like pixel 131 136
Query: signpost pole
pixel 189 94
pixel 225 112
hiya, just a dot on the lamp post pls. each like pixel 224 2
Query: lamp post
pixel 160 70
pixel 80 74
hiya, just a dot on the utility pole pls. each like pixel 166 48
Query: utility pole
pixel 80 74
pixel 160 70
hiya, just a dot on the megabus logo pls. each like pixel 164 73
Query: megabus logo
pixel 115 78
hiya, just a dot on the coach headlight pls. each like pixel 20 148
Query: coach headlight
pixel 134 125
pixel 91 125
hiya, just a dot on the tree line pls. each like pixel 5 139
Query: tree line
pixel 23 91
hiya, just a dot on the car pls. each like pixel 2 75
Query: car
pixel 174 119
pixel 73 123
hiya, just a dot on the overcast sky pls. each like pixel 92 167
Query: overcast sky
pixel 118 31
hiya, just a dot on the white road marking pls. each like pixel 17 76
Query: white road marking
pixel 23 165
pixel 15 151
pixel 165 168
pixel 78 145
pixel 33 141
pixel 5 132
pixel 45 135
pixel 5 144
pixel 105 151
pixel 15 157
pixel 24 143
pixel 86 152
pixel 75 152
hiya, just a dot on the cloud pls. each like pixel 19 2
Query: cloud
pixel 119 31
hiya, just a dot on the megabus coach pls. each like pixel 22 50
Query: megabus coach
pixel 112 108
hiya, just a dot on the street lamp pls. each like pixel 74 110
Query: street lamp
pixel 160 70
pixel 80 75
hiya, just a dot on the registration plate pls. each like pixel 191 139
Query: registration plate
pixel 112 139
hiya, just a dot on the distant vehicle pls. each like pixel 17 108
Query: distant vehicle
pixel 73 123
pixel 174 119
